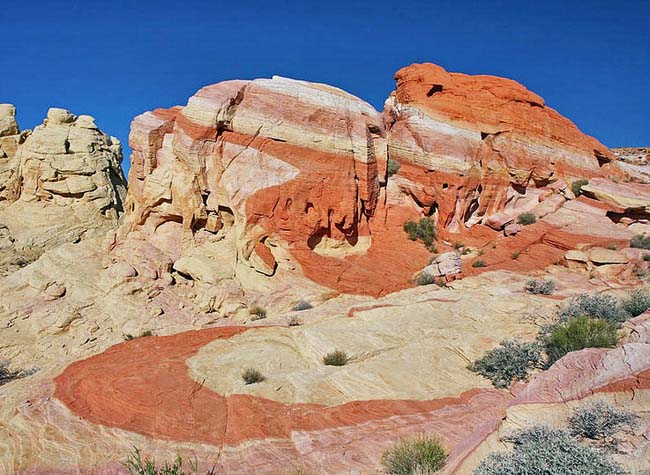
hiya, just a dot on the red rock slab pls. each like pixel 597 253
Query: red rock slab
pixel 143 386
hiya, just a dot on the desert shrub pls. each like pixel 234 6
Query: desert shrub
pixel 252 376
pixel 640 241
pixel 145 333
pixel 479 263
pixel 577 334
pixel 257 313
pixel 604 306
pixel 7 375
pixel 541 450
pixel 637 301
pixel 515 255
pixel 612 246
pixel 425 279
pixel 540 286
pixel 421 455
pixel 294 321
pixel 336 358
pixel 599 420
pixel 526 218
pixel 135 465
pixel 302 305
pixel 424 230
pixel 646 257
pixel 458 245
pixel 511 361
pixel 577 185
pixel 392 167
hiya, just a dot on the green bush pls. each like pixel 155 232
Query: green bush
pixel 540 286
pixel 257 313
pixel 577 185
pixel 424 230
pixel 302 305
pixel 526 219
pixel 511 361
pixel 425 279
pixel 515 255
pixel 646 257
pixel 540 450
pixel 604 306
pixel 479 263
pixel 137 466
pixel 640 241
pixel 294 321
pixel 577 334
pixel 637 301
pixel 421 455
pixel 599 420
pixel 145 333
pixel 336 358
pixel 392 167
pixel 252 376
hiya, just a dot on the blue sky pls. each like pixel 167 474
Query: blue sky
pixel 113 60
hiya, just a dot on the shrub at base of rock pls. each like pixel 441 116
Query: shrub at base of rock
pixel 640 241
pixel 302 305
pixel 540 286
pixel 541 450
pixel 135 465
pixel 513 360
pixel 392 167
pixel 576 186
pixel 604 306
pixel 421 455
pixel 599 420
pixel 578 334
pixel 526 218
pixel 424 230
pixel 637 301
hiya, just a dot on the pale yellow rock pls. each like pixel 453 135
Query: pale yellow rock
pixel 575 255
pixel 599 255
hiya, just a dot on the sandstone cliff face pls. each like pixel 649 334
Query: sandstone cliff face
pixel 58 183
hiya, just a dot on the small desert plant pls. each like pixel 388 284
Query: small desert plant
pixel 540 286
pixel 336 358
pixel 7 375
pixel 577 185
pixel 421 455
pixel 541 450
pixel 646 257
pixel 604 306
pixel 425 279
pixel 137 466
pixel 392 167
pixel 294 321
pixel 302 305
pixel 640 241
pixel 424 230
pixel 526 219
pixel 515 255
pixel 257 313
pixel 612 246
pixel 511 361
pixel 479 263
pixel 577 334
pixel 637 301
pixel 145 333
pixel 599 420
pixel 252 376
pixel 458 245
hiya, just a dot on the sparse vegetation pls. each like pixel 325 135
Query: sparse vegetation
pixel 336 358
pixel 425 279
pixel 294 321
pixel 541 450
pixel 646 257
pixel 7 375
pixel 540 286
pixel 612 246
pixel 458 245
pixel 252 376
pixel 599 420
pixel 479 263
pixel 637 301
pixel 604 306
pixel 145 333
pixel 526 218
pixel 392 167
pixel 424 230
pixel 577 334
pixel 576 186
pixel 515 255
pixel 257 313
pixel 302 305
pixel 511 361
pixel 640 241
pixel 137 466
pixel 421 455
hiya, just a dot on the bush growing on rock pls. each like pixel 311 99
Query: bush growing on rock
pixel 599 420
pixel 252 376
pixel 526 219
pixel 6 375
pixel 540 286
pixel 511 361
pixel 637 301
pixel 640 241
pixel 294 321
pixel 604 306
pixel 336 358
pixel 425 279
pixel 424 230
pixel 541 450
pixel 257 313
pixel 145 333
pixel 576 186
pixel 135 465
pixel 577 334
pixel 302 305
pixel 479 263
pixel 421 455
pixel 392 167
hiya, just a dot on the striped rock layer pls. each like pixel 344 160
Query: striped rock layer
pixel 287 164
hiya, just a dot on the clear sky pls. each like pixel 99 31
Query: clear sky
pixel 589 59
